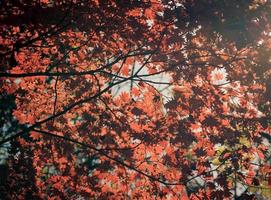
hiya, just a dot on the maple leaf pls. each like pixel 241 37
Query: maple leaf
pixel 125 97
pixel 35 136
pixel 136 92
pixel 125 70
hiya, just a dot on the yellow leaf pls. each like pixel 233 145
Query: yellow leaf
pixel 216 161
pixel 244 141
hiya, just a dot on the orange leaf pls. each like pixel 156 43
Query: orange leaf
pixel 125 70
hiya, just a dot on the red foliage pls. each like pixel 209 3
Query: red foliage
pixel 94 121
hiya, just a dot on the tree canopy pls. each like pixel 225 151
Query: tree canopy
pixel 152 99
